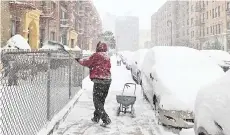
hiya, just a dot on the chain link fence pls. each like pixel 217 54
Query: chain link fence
pixel 35 85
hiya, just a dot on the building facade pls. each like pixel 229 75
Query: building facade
pixel 73 23
pixel 127 33
pixel 196 24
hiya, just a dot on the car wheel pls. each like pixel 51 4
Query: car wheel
pixel 202 131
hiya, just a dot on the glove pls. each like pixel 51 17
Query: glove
pixel 77 59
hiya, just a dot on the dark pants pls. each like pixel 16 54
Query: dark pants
pixel 100 92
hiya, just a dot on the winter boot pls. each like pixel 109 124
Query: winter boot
pixel 95 120
pixel 106 123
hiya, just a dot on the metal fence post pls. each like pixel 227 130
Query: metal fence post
pixel 70 78
pixel 48 87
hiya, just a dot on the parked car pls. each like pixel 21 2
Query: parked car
pixel 138 58
pixel 220 57
pixel 171 78
pixel 212 108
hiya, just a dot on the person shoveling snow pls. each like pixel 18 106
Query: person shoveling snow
pixel 99 65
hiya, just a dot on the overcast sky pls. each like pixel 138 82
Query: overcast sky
pixel 141 8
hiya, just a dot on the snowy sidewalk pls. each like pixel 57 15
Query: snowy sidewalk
pixel 78 121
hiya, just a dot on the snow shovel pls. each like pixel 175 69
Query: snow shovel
pixel 61 47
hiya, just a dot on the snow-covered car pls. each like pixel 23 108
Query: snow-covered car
pixel 212 108
pixel 171 78
pixel 222 58
pixel 138 58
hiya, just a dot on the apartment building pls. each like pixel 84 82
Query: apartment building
pixel 70 22
pixel 196 24
pixel 127 33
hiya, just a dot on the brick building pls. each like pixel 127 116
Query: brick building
pixel 70 22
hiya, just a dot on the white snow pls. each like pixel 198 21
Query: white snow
pixel 218 56
pixel 180 73
pixel 139 56
pixel 49 47
pixel 128 55
pixel 17 42
pixel 213 104
pixel 77 48
pixel 58 117
pixel 78 121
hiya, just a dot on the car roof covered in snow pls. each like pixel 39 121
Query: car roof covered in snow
pixel 181 72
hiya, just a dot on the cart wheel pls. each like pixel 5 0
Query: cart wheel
pixel 118 111
pixel 133 113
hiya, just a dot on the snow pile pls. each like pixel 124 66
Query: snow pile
pixel 218 56
pixel 187 132
pixel 213 104
pixel 179 73
pixel 17 42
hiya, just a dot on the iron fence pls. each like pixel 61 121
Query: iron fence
pixel 34 87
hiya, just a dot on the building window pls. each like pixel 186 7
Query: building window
pixel 216 29
pixel 219 11
pixel 219 28
pixel 64 39
pixel 191 21
pixel 211 28
pixel 72 43
pixel 203 31
pixel 213 13
pixel 192 8
pixel 42 36
pixel 53 5
pixel 228 5
pixel 188 22
pixel 228 25
pixel 15 27
pixel 207 30
pixel 203 16
pixel 187 31
pixel 207 2
pixel 216 12
pixel 52 36
pixel 207 14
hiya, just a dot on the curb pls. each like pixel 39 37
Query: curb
pixel 50 127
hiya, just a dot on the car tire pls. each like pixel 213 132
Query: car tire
pixel 202 131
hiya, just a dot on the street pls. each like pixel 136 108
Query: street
pixel 78 121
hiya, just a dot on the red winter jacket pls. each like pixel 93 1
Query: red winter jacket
pixel 98 63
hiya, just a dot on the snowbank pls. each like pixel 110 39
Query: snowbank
pixel 218 56
pixel 17 42
pixel 179 73
pixel 213 104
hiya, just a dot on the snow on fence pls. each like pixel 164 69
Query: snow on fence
pixel 34 86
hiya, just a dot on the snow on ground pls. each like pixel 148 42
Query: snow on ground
pixel 17 42
pixel 78 121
